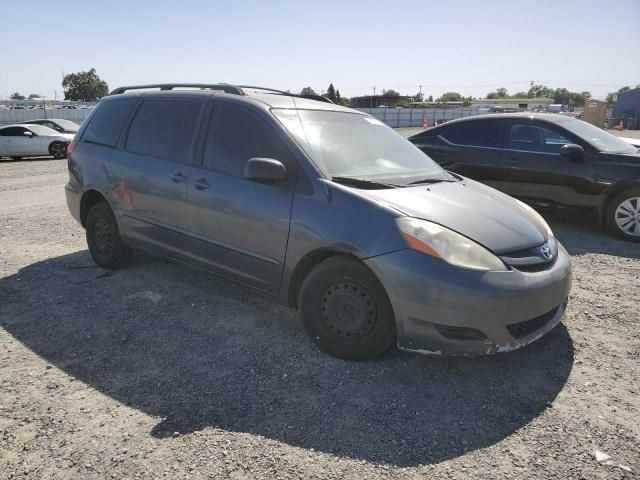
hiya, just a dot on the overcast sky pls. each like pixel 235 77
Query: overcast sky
pixel 468 46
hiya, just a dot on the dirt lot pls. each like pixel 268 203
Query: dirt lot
pixel 157 371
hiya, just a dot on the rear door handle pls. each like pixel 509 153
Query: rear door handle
pixel 202 184
pixel 177 177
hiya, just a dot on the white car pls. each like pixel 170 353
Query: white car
pixel 19 141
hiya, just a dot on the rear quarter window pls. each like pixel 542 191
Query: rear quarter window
pixel 107 123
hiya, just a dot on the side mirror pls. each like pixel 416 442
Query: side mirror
pixel 28 134
pixel 572 151
pixel 266 170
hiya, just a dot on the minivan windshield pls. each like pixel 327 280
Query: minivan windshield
pixel 349 145
pixel 603 141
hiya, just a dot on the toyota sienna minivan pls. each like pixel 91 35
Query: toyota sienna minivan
pixel 323 207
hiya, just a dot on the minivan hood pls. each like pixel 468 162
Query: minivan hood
pixel 481 213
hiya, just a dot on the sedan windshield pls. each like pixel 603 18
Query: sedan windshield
pixel 357 146
pixel 603 141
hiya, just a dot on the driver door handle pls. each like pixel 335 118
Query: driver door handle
pixel 202 184
pixel 177 177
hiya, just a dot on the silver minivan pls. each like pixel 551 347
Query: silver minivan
pixel 323 207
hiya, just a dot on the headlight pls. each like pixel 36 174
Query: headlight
pixel 440 242
pixel 537 216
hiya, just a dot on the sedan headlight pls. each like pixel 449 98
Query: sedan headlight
pixel 440 242
pixel 537 216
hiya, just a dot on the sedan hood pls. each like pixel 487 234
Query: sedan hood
pixel 481 213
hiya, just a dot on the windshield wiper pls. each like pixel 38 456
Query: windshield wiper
pixel 361 182
pixel 432 180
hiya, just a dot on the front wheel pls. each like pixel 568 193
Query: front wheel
pixel 103 238
pixel 623 214
pixel 346 311
pixel 58 150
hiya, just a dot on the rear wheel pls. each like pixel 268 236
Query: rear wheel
pixel 623 214
pixel 103 238
pixel 346 311
pixel 58 150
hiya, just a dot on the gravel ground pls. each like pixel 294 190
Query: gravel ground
pixel 156 371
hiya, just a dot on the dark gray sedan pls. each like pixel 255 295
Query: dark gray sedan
pixel 323 207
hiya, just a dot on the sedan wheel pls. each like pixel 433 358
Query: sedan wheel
pixel 623 214
pixel 628 216
pixel 58 150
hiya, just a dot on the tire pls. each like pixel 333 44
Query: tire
pixel 346 311
pixel 622 214
pixel 58 150
pixel 103 238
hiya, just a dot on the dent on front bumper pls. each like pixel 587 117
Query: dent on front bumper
pixel 445 310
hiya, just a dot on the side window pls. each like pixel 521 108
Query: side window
pixel 107 123
pixel 13 132
pixel 476 133
pixel 164 128
pixel 236 135
pixel 535 138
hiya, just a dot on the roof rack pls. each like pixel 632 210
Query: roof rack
pixel 320 98
pixel 225 87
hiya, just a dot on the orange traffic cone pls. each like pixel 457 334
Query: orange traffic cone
pixel 620 126
pixel 425 123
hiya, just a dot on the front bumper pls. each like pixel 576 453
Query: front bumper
pixel 445 310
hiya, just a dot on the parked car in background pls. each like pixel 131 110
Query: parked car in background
pixel 323 207
pixel 58 124
pixel 19 141
pixel 549 161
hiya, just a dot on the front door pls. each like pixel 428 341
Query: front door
pixel 240 227
pixel 538 173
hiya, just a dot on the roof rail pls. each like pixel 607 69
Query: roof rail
pixel 319 98
pixel 225 87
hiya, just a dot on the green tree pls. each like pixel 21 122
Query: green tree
pixel 34 95
pixel 540 91
pixel 520 95
pixel 16 96
pixel 450 97
pixel 308 91
pixel 86 86
pixel 620 90
pixel 390 93
pixel 331 93
pixel 418 97
pixel 430 99
pixel 345 102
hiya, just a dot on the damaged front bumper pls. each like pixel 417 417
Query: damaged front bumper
pixel 446 310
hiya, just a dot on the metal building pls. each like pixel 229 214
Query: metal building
pixel 627 109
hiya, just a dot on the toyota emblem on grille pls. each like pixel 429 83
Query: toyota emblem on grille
pixel 545 251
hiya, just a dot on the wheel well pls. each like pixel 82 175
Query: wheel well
pixel 305 265
pixel 89 199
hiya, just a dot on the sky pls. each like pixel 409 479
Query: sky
pixel 472 47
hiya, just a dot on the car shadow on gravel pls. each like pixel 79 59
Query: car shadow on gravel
pixel 199 352
pixel 582 234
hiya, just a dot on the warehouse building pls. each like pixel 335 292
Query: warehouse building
pixel 627 109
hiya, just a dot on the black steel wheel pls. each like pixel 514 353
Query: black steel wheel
pixel 346 311
pixel 103 238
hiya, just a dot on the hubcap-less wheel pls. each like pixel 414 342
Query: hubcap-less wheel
pixel 103 237
pixel 58 150
pixel 348 311
pixel 627 216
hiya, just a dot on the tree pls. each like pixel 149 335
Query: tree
pixel 520 95
pixel 499 93
pixel 16 96
pixel 308 91
pixel 540 91
pixel 345 102
pixel 390 93
pixel 450 97
pixel 331 93
pixel 430 99
pixel 86 86
pixel 418 97
pixel 34 95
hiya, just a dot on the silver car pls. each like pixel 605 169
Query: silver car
pixel 27 140
pixel 324 208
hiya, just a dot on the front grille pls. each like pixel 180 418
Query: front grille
pixel 522 329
